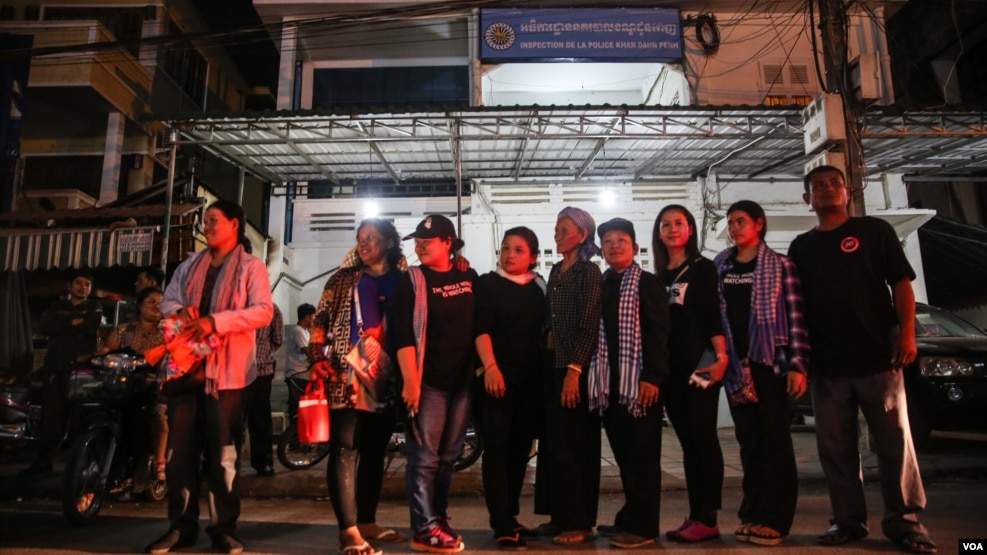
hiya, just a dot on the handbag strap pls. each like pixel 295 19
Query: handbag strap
pixel 682 271
pixel 356 307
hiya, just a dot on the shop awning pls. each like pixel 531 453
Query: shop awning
pixel 76 248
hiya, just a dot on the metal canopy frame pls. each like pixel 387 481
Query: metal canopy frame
pixel 568 144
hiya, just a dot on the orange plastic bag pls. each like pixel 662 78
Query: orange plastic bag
pixel 313 414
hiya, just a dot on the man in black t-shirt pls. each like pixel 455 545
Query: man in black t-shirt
pixel 862 335
pixel 71 325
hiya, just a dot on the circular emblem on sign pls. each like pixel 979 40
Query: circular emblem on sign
pixel 499 36
pixel 850 244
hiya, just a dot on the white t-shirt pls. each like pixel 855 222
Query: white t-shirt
pixel 297 360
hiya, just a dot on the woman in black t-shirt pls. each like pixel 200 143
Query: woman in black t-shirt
pixel 510 314
pixel 762 314
pixel 433 312
pixel 695 329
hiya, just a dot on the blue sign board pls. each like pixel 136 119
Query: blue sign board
pixel 612 34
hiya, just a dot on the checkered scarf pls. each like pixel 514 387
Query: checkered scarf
pixel 630 359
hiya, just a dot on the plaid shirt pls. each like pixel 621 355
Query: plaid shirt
pixel 574 312
pixel 778 336
pixel 269 338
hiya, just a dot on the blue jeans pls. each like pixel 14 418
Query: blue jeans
pixel 441 423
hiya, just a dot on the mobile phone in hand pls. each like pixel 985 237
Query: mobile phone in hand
pixel 701 379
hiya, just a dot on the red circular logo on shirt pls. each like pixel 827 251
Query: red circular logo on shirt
pixel 850 244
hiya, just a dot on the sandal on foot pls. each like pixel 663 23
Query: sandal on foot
pixel 915 542
pixel 573 537
pixel 160 472
pixel 765 535
pixel 743 532
pixel 362 549
pixel 626 540
pixel 389 536
pixel 512 542
pixel 524 531
pixel 838 535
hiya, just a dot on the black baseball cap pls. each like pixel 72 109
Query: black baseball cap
pixel 617 224
pixel 434 225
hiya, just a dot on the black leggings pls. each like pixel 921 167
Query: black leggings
pixel 355 475
pixel 508 425
pixel 693 412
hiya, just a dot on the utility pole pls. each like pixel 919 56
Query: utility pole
pixel 833 23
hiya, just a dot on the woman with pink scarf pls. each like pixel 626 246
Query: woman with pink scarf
pixel 230 290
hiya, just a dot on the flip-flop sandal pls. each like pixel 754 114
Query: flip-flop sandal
pixel 389 536
pixel 573 537
pixel 765 535
pixel 363 549
pixel 512 543
pixel 630 541
pixel 743 533
pixel 917 543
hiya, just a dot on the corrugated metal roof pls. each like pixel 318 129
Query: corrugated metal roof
pixel 76 248
pixel 575 143
pixel 107 214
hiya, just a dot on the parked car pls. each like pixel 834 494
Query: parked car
pixel 947 383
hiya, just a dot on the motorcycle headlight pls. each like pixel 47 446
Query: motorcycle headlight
pixel 944 367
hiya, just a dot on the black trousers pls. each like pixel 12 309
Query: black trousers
pixel 508 425
pixel 198 421
pixel 572 449
pixel 692 412
pixel 355 474
pixel 259 423
pixel 770 482
pixel 636 444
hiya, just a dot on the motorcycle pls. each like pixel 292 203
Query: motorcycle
pixel 20 418
pixel 111 405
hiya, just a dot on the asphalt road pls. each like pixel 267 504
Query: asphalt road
pixel 956 509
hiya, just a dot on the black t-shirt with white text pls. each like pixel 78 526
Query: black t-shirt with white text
pixel 738 286
pixel 846 273
pixel 694 313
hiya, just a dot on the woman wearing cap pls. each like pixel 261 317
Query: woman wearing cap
pixel 510 315
pixel 696 329
pixel 433 313
pixel 762 316
pixel 357 301
pixel 624 377
pixel 571 443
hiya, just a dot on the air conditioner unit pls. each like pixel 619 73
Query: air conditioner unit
pixel 825 158
pixel 823 122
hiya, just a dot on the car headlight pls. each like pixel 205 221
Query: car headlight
pixel 944 366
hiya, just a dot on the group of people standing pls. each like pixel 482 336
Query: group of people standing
pixel 557 362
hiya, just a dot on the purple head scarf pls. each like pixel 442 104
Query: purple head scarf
pixel 584 222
